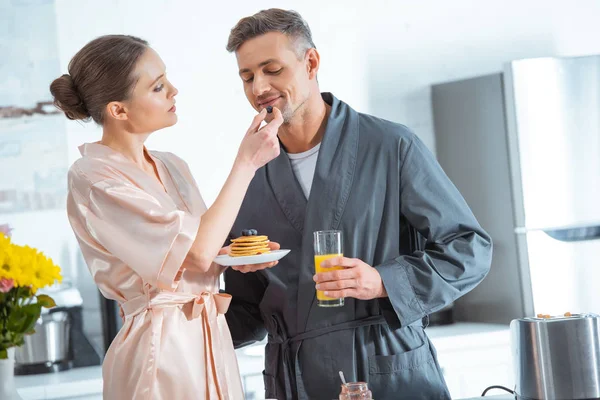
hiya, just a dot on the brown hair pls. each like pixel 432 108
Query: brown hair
pixel 288 22
pixel 101 72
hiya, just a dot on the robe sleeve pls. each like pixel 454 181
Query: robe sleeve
pixel 136 228
pixel 457 254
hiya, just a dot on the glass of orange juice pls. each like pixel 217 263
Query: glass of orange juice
pixel 328 244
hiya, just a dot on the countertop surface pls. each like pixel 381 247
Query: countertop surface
pixel 86 383
pixel 77 383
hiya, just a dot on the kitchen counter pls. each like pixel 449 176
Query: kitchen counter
pixel 75 384
pixel 86 383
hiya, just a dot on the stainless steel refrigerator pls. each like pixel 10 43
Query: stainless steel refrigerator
pixel 523 146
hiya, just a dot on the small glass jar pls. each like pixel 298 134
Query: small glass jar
pixel 355 391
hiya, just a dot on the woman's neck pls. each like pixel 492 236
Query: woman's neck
pixel 129 145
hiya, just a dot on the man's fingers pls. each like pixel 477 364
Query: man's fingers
pixel 336 275
pixel 339 262
pixel 338 294
pixel 338 285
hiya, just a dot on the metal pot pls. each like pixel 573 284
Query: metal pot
pixel 49 343
pixel 557 357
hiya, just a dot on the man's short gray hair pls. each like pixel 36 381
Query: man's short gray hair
pixel 288 22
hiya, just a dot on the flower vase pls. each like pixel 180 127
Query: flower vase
pixel 8 390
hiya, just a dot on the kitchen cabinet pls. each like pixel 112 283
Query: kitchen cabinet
pixel 473 356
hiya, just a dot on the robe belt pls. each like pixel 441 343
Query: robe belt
pixel 291 367
pixel 193 306
pixel 163 299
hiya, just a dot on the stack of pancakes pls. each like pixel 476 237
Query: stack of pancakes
pixel 249 246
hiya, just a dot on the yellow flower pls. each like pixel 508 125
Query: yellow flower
pixel 4 239
pixel 43 272
pixel 26 266
pixel 9 266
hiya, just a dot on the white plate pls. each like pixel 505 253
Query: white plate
pixel 228 261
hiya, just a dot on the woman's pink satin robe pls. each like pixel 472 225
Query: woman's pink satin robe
pixel 134 235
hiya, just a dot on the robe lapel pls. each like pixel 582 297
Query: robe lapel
pixel 287 190
pixel 329 193
pixel 144 181
pixel 178 185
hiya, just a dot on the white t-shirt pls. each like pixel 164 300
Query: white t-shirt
pixel 303 165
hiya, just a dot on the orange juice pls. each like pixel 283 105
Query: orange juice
pixel 319 269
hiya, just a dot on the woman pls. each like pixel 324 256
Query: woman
pixel 144 230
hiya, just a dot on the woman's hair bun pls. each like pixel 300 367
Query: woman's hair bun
pixel 68 99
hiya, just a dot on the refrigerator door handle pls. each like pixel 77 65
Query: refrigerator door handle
pixel 577 234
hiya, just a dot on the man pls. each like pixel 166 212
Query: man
pixel 376 182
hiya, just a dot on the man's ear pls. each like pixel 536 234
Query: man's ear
pixel 313 61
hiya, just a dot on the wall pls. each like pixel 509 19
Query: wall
pixel 380 57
